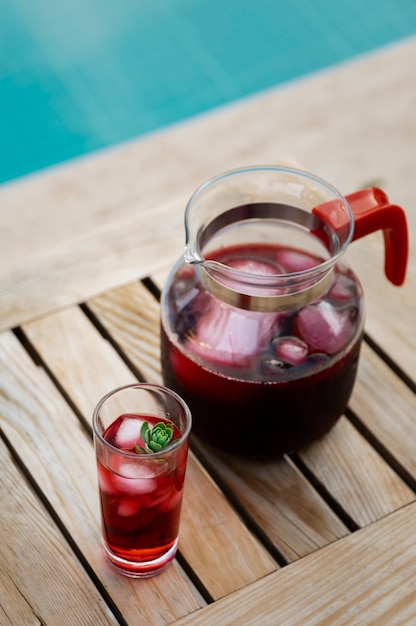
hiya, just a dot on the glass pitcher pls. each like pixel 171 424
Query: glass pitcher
pixel 261 320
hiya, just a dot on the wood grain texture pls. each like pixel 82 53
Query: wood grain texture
pixel 67 342
pixel 115 254
pixel 212 534
pixel 366 578
pixel 280 500
pixel 387 407
pixel 359 479
pixel 59 455
pixel 131 315
pixel 45 581
pixel 57 338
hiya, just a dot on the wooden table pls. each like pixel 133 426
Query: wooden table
pixel 325 536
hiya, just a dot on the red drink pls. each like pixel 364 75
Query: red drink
pixel 262 383
pixel 141 496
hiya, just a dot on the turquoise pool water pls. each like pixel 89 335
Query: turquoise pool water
pixel 82 75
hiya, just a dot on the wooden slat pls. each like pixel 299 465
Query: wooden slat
pixel 86 266
pixel 355 475
pixel 366 578
pixel 70 333
pixel 59 455
pixel 131 315
pixel 58 339
pixel 212 535
pixel 41 579
pixel 280 500
pixel 387 407
pixel 348 467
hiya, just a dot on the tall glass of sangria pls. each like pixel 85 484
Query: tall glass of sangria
pixel 141 435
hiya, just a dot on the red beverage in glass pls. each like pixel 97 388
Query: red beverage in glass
pixel 141 505
pixel 262 383
pixel 141 482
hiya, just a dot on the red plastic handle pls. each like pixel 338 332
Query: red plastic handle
pixel 372 211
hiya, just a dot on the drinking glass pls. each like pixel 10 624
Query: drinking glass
pixel 140 477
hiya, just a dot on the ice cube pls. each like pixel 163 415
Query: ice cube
pixel 104 480
pixel 324 328
pixel 257 268
pixel 126 508
pixel 189 313
pixel 133 477
pixel 168 504
pixel 183 294
pixel 272 366
pixel 343 289
pixel 230 336
pixel 160 496
pixel 296 261
pixel 290 350
pixel 135 485
pixel 128 432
